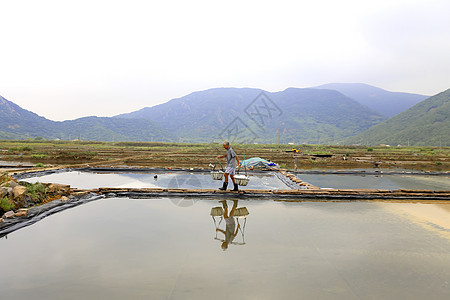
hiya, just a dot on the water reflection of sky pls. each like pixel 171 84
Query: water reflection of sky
pixel 152 249
pixel 15 163
pixel 377 181
pixel 87 180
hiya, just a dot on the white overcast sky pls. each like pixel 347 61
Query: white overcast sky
pixel 68 59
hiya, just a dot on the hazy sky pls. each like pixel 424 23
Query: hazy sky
pixel 68 59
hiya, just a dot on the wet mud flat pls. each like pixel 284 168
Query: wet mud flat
pixel 155 248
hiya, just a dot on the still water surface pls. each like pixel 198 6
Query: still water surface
pixel 89 180
pixel 391 182
pixel 120 248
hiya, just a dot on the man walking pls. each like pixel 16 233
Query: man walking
pixel 232 163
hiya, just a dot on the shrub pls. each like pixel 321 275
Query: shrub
pixel 25 148
pixel 39 165
pixel 4 178
pixel 35 190
pixel 6 204
pixel 76 155
pixel 370 149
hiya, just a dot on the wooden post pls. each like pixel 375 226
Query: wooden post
pixel 278 139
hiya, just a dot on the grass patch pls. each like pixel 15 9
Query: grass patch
pixel 76 155
pixel 21 149
pixel 6 204
pixel 200 154
pixel 4 178
pixel 320 153
pixel 37 191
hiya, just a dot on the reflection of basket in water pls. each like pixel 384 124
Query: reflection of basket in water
pixel 217 211
pixel 241 180
pixel 241 212
pixel 217 175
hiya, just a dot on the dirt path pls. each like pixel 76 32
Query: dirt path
pixel 178 155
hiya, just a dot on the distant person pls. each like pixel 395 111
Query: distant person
pixel 230 231
pixel 232 163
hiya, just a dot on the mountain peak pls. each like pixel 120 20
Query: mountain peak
pixel 385 102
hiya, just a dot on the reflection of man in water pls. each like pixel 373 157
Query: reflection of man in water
pixel 230 231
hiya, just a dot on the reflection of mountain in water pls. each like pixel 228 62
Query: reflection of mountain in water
pixel 391 182
pixel 189 181
pixel 350 181
pixel 422 182
pixel 194 181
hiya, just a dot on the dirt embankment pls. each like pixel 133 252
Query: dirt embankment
pixel 180 155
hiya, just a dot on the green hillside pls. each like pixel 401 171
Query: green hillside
pixel 16 122
pixel 426 123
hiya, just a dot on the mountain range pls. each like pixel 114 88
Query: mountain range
pixel 18 123
pixel 327 114
pixel 301 115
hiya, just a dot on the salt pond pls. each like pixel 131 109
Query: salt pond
pixel 120 248
pixel 171 248
pixel 90 180
pixel 392 182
